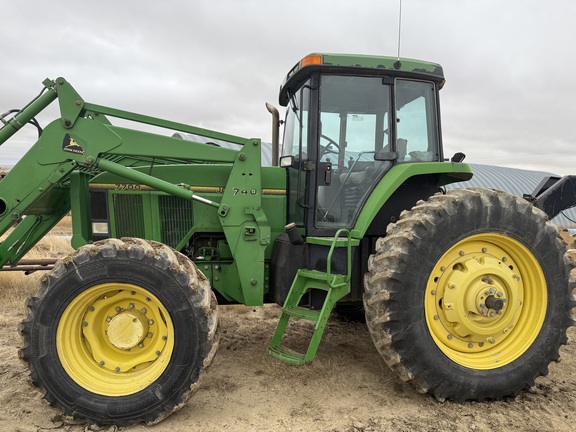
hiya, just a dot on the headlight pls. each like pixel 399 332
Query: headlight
pixel 99 228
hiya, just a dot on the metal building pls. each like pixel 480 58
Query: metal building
pixel 515 181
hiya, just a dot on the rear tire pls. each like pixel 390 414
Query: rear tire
pixel 468 296
pixel 120 332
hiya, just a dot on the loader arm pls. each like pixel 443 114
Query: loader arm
pixel 52 177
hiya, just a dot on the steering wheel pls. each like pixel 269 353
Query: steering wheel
pixel 328 149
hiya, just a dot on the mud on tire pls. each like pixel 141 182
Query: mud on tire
pixel 468 296
pixel 120 332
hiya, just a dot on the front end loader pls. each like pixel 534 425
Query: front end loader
pixel 466 293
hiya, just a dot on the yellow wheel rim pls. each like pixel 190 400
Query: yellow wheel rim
pixel 486 301
pixel 115 339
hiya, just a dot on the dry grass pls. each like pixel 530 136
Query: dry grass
pixel 15 286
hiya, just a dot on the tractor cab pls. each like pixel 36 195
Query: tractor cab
pixel 349 121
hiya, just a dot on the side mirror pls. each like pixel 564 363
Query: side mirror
pixel 458 157
pixel 286 161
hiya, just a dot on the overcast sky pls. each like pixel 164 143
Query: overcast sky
pixel 509 65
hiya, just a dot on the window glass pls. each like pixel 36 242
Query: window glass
pixel 295 144
pixel 416 127
pixel 296 125
pixel 354 125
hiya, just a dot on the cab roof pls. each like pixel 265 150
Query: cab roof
pixel 357 64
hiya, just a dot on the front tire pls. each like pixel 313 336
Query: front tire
pixel 120 332
pixel 468 296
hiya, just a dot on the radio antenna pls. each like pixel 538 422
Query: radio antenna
pixel 399 29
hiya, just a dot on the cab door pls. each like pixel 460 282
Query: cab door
pixel 354 151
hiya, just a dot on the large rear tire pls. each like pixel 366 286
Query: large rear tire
pixel 120 332
pixel 468 296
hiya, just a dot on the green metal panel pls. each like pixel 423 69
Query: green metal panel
pixel 447 173
pixel 245 224
pixel 381 62
pixel 80 207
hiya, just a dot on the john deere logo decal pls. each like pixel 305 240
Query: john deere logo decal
pixel 69 145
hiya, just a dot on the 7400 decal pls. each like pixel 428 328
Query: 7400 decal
pixel 127 187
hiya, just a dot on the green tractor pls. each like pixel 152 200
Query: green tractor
pixel 466 293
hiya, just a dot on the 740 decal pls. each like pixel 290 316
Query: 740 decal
pixel 237 191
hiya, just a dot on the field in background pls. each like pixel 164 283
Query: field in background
pixel 16 286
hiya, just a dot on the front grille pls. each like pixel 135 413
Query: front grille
pixel 128 215
pixel 176 219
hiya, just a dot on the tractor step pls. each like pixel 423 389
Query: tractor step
pixel 302 313
pixel 336 287
pixel 287 355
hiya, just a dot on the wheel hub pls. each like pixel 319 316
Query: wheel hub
pixel 477 297
pixel 127 329
pixel 118 329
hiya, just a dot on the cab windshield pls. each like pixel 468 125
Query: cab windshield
pixel 364 127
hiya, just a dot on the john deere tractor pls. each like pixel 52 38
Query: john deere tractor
pixel 466 293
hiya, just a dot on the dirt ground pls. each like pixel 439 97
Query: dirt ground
pixel 348 388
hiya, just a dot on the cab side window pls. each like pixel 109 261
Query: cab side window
pixel 416 122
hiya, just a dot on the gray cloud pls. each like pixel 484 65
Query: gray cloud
pixel 215 63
